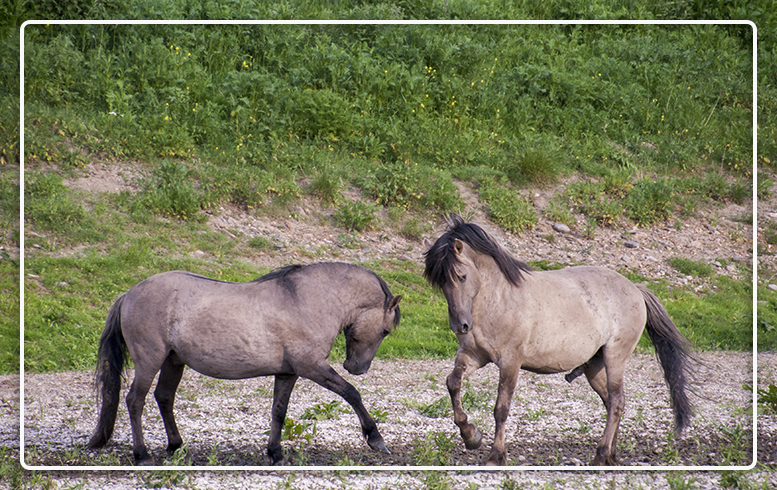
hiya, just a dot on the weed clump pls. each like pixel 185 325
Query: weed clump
pixel 355 215
pixel 169 191
pixel 506 208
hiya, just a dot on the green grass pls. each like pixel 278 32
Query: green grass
pixel 720 319
pixel 652 118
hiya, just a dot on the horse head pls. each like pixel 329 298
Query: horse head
pixel 461 289
pixel 364 335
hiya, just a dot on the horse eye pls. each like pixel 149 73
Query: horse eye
pixel 463 278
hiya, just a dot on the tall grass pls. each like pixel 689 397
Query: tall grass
pixel 669 97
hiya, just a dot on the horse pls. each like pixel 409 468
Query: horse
pixel 586 320
pixel 282 324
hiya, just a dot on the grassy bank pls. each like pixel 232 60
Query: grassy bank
pixel 656 121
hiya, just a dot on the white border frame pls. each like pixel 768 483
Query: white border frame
pixel 287 469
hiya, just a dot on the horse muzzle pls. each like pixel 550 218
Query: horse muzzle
pixel 356 368
pixel 461 327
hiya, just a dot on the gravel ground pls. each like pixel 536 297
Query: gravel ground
pixel 552 423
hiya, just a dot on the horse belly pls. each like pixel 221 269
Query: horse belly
pixel 229 354
pixel 558 359
pixel 559 349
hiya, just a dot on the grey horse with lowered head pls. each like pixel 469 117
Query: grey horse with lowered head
pixel 282 324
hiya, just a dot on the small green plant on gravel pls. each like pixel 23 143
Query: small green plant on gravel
pixel 323 411
pixel 681 481
pixel 379 415
pixel 649 202
pixel 436 409
pixel 349 240
pixel 355 215
pixel 764 189
pixel 558 212
pixel 294 430
pixel 472 399
pixel 261 243
pixel 767 398
pixel 415 228
pixel 691 267
pixel 590 199
pixel 10 469
pixel 327 185
pixel 670 453
pixel 740 481
pixel 433 450
pixel 733 450
pixel 539 166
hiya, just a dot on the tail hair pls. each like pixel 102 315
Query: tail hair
pixel 673 352
pixel 112 359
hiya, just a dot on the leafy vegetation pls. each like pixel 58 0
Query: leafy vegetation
pixel 653 118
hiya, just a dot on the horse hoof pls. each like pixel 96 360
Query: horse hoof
pixel 496 461
pixel 379 446
pixel 145 462
pixel 474 441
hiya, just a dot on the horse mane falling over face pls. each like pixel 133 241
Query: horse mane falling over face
pixel 442 261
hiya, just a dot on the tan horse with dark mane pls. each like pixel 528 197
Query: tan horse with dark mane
pixel 586 320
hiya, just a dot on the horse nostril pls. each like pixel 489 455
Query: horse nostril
pixel 465 327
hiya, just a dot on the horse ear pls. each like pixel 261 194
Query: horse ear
pixel 458 246
pixel 427 244
pixel 395 301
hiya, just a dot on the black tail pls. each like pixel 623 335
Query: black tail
pixel 111 359
pixel 672 351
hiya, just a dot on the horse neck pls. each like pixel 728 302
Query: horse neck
pixel 350 294
pixel 493 284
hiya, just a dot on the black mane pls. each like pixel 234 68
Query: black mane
pixel 441 260
pixel 280 273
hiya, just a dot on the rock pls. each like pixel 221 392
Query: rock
pixel 630 244
pixel 61 284
pixel 772 287
pixel 561 228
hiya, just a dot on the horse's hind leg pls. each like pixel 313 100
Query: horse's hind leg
pixel 464 366
pixel 169 377
pixel 607 380
pixel 280 402
pixel 136 400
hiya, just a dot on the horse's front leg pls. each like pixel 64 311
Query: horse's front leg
pixel 508 376
pixel 329 379
pixel 284 384
pixel 464 366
